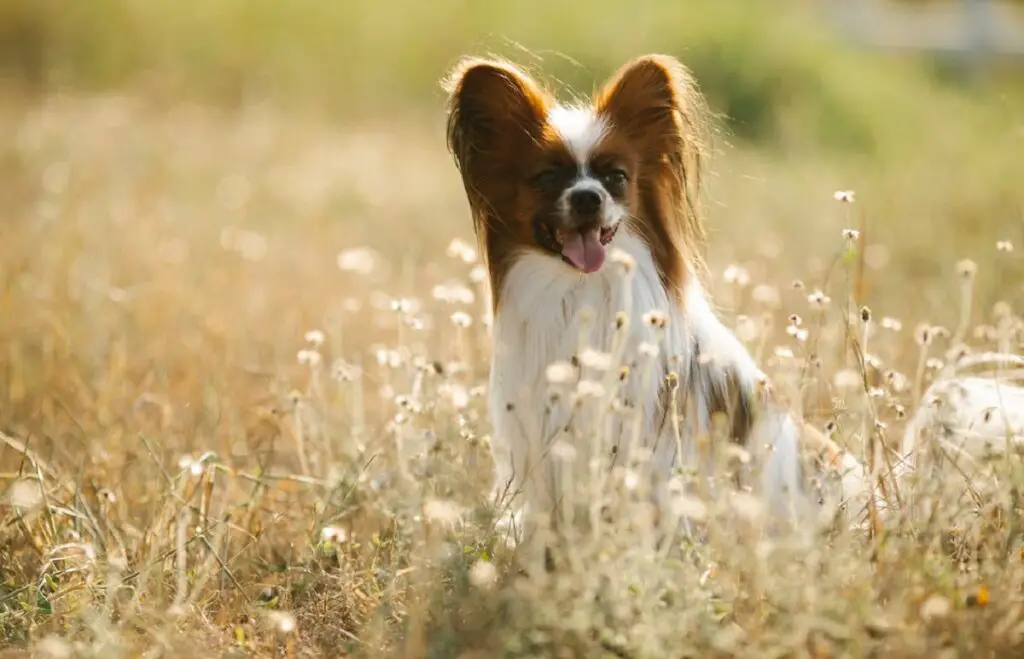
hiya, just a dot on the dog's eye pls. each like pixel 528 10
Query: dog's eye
pixel 615 178
pixel 545 178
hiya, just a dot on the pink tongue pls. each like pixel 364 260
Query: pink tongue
pixel 584 250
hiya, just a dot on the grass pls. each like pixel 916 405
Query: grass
pixel 187 470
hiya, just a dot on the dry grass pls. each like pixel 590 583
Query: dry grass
pixel 187 470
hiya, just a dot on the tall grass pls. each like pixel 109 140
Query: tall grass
pixel 243 363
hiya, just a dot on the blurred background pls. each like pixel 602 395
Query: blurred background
pixel 915 104
pixel 189 187
pixel 222 154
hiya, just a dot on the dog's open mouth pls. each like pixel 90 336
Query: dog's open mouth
pixel 584 250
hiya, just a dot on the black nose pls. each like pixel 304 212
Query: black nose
pixel 585 201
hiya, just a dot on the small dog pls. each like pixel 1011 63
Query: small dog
pixel 604 337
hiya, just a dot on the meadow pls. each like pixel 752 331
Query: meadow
pixel 243 334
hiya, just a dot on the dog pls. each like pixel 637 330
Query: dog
pixel 611 371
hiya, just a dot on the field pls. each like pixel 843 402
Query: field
pixel 243 334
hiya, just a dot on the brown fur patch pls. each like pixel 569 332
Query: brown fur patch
pixel 655 108
pixel 496 131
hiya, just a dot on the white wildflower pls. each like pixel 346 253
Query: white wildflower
pixel 595 359
pixel 483 574
pixel 560 372
pixel 360 260
pixel 316 337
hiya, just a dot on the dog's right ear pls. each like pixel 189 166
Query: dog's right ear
pixel 493 106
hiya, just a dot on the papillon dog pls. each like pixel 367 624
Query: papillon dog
pixel 610 365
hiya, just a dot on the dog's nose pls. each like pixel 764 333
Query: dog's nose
pixel 585 201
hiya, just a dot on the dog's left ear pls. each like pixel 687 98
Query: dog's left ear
pixel 653 99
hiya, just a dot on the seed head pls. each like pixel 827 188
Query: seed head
pixel 483 574
pixel 844 196
pixel 647 349
pixel 819 299
pixel 923 334
pixel 865 315
pixel 851 235
pixel 442 511
pixel 461 250
pixel 560 372
pixel 656 319
pixel 623 259
pixel 315 337
pixel 966 269
pixel 462 319
pixel 891 324
pixel 478 274
pixel 595 359
pixel 334 534
pixel 736 275
pixel 846 379
pixel 308 357
pixel 1004 246
pixel 360 260
pixel 282 622
pixel 589 389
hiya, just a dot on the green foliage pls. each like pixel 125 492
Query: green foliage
pixel 764 66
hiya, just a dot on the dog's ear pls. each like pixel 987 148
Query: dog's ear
pixel 651 99
pixel 493 107
pixel 654 103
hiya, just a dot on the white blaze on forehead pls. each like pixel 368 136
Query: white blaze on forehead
pixel 579 128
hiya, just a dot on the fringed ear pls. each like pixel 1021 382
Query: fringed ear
pixel 651 98
pixel 654 102
pixel 494 110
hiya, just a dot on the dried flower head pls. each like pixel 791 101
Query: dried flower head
pixel 453 292
pixel 966 269
pixel 462 250
pixel 478 274
pixel 656 319
pixel 623 259
pixel 560 372
pixel 442 511
pixel 846 379
pixel 766 295
pixel 819 299
pixel 334 534
pixel 308 357
pixel 891 324
pixel 736 276
pixel 282 622
pixel 359 260
pixel 589 389
pixel 483 574
pixel 595 359
pixel 923 334
pixel 315 337
pixel 647 349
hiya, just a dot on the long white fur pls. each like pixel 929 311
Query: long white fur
pixel 548 312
